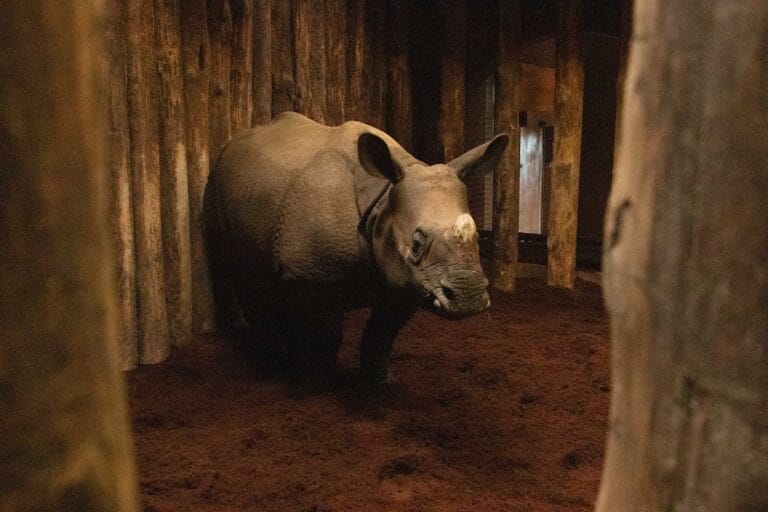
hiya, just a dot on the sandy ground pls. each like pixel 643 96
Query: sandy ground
pixel 505 411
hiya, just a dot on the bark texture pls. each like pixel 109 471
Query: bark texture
pixel 114 65
pixel 262 61
pixel 196 52
pixel 564 191
pixel 453 17
pixel 506 187
pixel 65 442
pixel 220 106
pixel 152 317
pixel 685 258
pixel 173 172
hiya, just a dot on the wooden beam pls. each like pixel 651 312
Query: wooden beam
pixel 453 23
pixel 114 64
pixel 336 61
pixel 283 85
pixel 399 94
pixel 309 58
pixel 242 65
pixel 66 441
pixel 197 76
pixel 564 191
pixel 173 174
pixel 152 313
pixel 354 107
pixel 506 186
pixel 262 62
pixel 220 103
pixel 685 258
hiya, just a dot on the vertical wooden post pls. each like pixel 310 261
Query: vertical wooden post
pixel 399 99
pixel 173 172
pixel 152 315
pixel 262 62
pixel 564 193
pixel 685 258
pixel 309 58
pixel 506 187
pixel 283 85
pixel 355 48
pixel 114 64
pixel 624 37
pixel 452 14
pixel 65 442
pixel 220 105
pixel 197 73
pixel 242 65
pixel 336 62
pixel 375 64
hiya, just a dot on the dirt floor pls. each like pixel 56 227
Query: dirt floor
pixel 505 411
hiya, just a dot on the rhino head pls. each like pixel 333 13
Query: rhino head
pixel 420 232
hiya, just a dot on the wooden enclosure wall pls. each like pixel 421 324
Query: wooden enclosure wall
pixel 184 77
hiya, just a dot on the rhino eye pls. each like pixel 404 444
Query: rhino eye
pixel 418 243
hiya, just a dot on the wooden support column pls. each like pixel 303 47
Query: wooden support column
pixel 262 62
pixel 242 65
pixel 152 316
pixel 564 192
pixel 220 106
pixel 173 173
pixel 283 85
pixel 114 62
pixel 65 441
pixel 354 107
pixel 196 56
pixel 685 259
pixel 399 98
pixel 309 58
pixel 506 186
pixel 336 62
pixel 375 64
pixel 624 37
pixel 453 25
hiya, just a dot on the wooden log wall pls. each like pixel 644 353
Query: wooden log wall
pixel 186 76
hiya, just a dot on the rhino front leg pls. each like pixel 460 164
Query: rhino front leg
pixel 385 322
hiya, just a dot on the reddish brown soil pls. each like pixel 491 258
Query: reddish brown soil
pixel 505 411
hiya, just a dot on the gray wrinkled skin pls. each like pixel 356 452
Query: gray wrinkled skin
pixel 308 221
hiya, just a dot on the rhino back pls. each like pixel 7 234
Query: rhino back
pixel 285 195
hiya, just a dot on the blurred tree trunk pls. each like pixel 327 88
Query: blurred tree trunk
pixel 196 51
pixel 685 259
pixel 262 62
pixel 65 442
pixel 452 25
pixel 173 173
pixel 145 168
pixel 506 220
pixel 564 191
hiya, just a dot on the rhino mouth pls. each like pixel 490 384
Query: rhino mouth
pixel 446 302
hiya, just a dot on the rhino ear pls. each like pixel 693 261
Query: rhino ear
pixel 482 158
pixel 376 159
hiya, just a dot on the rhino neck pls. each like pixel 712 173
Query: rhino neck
pixel 367 224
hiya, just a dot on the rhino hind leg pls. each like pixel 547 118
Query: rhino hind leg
pixel 312 344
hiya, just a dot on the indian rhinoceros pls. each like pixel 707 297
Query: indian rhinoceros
pixel 310 221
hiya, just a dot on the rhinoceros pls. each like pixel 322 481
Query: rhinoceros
pixel 310 221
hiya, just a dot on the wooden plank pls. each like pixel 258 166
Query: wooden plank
pixel 152 313
pixel 506 184
pixel 283 85
pixel 564 192
pixel 262 62
pixel 242 65
pixel 355 109
pixel 66 441
pixel 399 94
pixel 309 58
pixel 197 72
pixel 119 181
pixel 452 16
pixel 220 103
pixel 336 62
pixel 173 173
pixel 375 64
